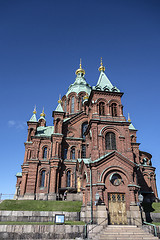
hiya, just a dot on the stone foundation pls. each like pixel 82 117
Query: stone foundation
pixel 134 215
pixel 41 231
pixel 50 197
pixel 36 216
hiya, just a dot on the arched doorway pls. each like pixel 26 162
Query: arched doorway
pixel 116 198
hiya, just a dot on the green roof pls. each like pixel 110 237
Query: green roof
pixel 19 174
pixel 104 84
pixel 33 118
pixel 80 85
pixel 44 131
pixel 131 127
pixel 59 108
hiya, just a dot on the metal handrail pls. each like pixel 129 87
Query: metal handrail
pixel 3 196
pixel 86 233
pixel 85 229
pixel 150 224
pixel 153 225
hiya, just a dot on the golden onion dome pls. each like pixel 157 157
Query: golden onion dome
pixel 80 70
pixel 101 68
pixel 43 114
pixel 34 111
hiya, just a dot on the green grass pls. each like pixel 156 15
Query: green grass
pixel 42 223
pixel 154 207
pixel 31 205
pixel 156 223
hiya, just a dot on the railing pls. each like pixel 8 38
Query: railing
pixel 154 226
pixel 4 196
pixel 146 223
pixel 86 232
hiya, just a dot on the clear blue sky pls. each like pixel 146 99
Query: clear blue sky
pixel 41 43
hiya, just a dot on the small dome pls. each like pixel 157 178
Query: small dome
pixel 80 70
pixel 101 68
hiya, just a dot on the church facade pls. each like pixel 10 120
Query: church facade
pixel 90 152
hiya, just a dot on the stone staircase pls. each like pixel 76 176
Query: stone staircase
pixel 123 232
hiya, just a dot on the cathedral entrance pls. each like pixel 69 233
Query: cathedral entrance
pixel 117 208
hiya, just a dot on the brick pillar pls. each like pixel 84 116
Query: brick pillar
pixel 32 177
pixel 52 180
pixel 135 214
pixel 23 184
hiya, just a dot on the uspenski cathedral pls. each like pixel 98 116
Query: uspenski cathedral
pixel 90 153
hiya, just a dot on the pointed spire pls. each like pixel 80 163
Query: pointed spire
pixel 104 83
pixel 80 65
pixel 59 107
pixel 101 68
pixel 131 127
pixel 34 111
pixel 80 70
pixel 129 120
pixel 59 101
pixel 33 118
pixel 42 113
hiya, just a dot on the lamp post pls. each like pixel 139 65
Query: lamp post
pixel 96 198
pixel 140 198
pixel 91 201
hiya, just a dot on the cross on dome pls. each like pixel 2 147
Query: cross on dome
pixel 101 68
pixel 80 69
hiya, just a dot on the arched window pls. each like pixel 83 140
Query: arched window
pixel 73 153
pixel 72 105
pixel 83 151
pixel 68 178
pixel 45 153
pixel 110 140
pixel 84 127
pixel 81 99
pixel 114 109
pixel 65 153
pixel 115 179
pixel 101 108
pixel 42 181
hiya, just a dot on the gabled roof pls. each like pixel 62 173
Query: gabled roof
pixel 19 174
pixel 59 108
pixel 131 127
pixel 104 84
pixel 110 154
pixel 33 118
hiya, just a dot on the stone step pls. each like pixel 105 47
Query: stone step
pixel 121 226
pixel 117 238
pixel 124 233
pixel 127 237
pixel 121 232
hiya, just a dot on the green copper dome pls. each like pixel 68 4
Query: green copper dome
pixel 80 84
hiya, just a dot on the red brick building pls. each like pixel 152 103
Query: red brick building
pixel 91 151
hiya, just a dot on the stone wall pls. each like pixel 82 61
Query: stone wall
pixel 150 229
pixel 41 231
pixel 36 216
pixel 155 217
